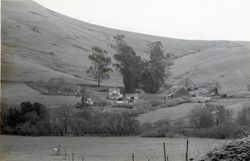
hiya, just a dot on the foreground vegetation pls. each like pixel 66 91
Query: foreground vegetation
pixel 102 149
pixel 234 150
pixel 36 120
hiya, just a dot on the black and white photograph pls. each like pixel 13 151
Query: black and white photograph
pixel 125 80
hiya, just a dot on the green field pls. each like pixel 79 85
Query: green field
pixel 18 148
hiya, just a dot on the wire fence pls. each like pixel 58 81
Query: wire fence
pixel 68 153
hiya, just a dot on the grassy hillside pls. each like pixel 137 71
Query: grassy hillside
pixel 15 93
pixel 39 44
pixel 183 111
pixel 229 66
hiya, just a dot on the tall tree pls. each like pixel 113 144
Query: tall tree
pixel 100 69
pixel 129 64
pixel 155 69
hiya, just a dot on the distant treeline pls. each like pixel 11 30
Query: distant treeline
pixel 211 121
pixel 37 120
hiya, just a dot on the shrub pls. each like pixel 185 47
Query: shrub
pixel 223 131
pixel 243 117
pixel 26 129
pixel 227 130
pixel 12 117
pixel 142 106
pixel 162 128
pixel 201 118
pixel 235 150
pixel 156 102
pixel 26 119
pixel 220 113
pixel 121 124
pixel 97 123
pixel 178 127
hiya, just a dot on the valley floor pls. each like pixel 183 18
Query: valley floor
pixel 19 148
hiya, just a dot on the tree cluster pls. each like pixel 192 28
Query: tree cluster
pixel 154 71
pixel 36 120
pixel 26 119
pixel 209 115
pixel 217 122
pixel 138 72
pixel 129 64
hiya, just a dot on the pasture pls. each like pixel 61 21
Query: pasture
pixel 15 93
pixel 20 148
pixel 182 111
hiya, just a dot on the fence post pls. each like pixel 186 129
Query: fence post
pixel 65 153
pixel 57 152
pixel 73 156
pixel 187 150
pixel 59 149
pixel 164 151
pixel 133 157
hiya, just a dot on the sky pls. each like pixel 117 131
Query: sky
pixel 184 19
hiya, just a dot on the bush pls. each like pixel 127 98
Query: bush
pixel 35 119
pixel 162 128
pixel 178 127
pixel 156 102
pixel 122 124
pixel 243 117
pixel 26 129
pixel 141 106
pixel 228 130
pixel 236 150
pixel 201 118
pixel 214 121
pixel 148 102
pixel 97 123
pixel 26 119
pixel 223 131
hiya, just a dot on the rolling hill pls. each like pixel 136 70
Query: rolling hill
pixel 40 44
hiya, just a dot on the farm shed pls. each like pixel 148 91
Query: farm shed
pixel 179 92
pixel 115 94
